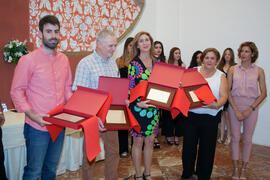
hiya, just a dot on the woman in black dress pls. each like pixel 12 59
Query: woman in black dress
pixel 173 128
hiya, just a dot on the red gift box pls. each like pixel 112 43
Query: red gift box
pixel 119 116
pixel 166 78
pixel 85 102
pixel 191 81
pixel 163 83
pixel 196 88
pixel 118 87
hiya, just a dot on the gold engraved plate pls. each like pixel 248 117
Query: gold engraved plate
pixel 193 96
pixel 116 117
pixel 158 95
pixel 69 117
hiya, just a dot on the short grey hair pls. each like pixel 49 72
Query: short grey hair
pixel 103 34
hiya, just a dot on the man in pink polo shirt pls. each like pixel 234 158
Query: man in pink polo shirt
pixel 42 80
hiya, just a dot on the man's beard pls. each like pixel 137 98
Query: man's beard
pixel 48 44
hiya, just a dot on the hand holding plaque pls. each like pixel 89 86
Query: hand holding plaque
pixel 144 104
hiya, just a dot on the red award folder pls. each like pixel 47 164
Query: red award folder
pixel 82 105
pixel 193 86
pixel 194 91
pixel 80 112
pixel 163 84
pixel 118 116
pixel 196 88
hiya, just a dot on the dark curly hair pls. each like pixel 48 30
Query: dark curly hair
pixel 48 19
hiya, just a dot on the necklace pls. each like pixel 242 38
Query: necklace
pixel 147 63
pixel 207 74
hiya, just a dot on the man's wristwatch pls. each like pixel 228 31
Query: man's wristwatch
pixel 252 108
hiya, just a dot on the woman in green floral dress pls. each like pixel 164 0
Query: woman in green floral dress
pixel 147 115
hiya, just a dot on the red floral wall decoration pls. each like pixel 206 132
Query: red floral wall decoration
pixel 82 19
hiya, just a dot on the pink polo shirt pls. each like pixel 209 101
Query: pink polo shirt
pixel 41 82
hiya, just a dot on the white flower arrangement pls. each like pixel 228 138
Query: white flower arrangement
pixel 14 50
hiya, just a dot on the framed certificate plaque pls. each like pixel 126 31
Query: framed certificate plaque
pixel 191 81
pixel 69 117
pixel 160 95
pixel 192 97
pixel 163 84
pixel 117 117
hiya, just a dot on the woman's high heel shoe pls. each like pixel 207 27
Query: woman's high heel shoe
pixel 219 140
pixel 176 141
pixel 169 141
pixel 227 141
pixel 138 177
pixel 242 175
pixel 145 176
pixel 235 174
pixel 156 144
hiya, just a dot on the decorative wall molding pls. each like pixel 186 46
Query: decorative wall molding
pixel 82 19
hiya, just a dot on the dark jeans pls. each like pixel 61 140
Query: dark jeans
pixel 42 154
pixel 2 158
pixel 172 127
pixel 123 141
pixel 200 128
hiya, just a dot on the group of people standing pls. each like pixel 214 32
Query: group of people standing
pixel 235 87
pixel 42 80
pixel 172 129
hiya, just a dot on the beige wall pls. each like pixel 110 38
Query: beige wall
pixel 227 23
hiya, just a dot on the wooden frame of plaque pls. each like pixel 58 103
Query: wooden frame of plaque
pixel 163 89
pixel 192 103
pixel 117 125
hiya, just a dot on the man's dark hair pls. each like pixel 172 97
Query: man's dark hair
pixel 48 19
